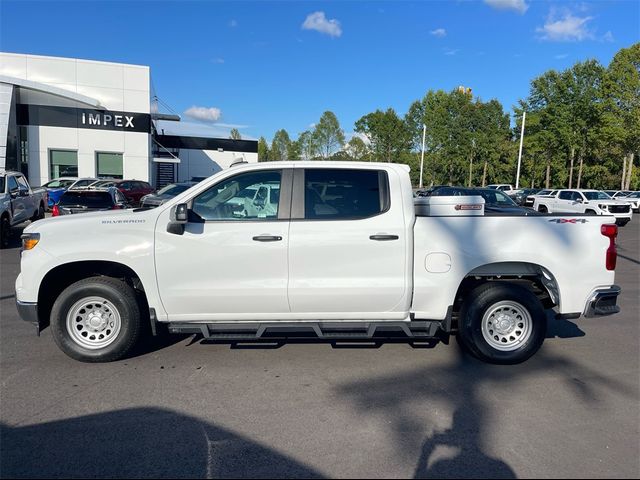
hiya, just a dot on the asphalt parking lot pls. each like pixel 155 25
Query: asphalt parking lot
pixel 183 408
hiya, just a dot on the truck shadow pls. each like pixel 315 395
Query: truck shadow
pixel 402 399
pixel 139 442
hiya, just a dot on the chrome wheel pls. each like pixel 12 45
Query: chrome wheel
pixel 506 326
pixel 93 322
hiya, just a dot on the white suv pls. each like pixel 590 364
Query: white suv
pixel 590 202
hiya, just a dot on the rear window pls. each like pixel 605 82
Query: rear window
pixel 86 199
pixel 337 194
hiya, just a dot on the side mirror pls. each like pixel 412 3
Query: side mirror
pixel 179 216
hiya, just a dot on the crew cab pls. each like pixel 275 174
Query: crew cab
pixel 18 203
pixel 341 252
pixel 590 202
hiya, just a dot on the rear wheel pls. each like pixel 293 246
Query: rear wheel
pixel 590 212
pixel 96 319
pixel 39 215
pixel 543 209
pixel 502 323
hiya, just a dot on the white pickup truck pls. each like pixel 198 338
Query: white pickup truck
pixel 18 203
pixel 588 202
pixel 341 252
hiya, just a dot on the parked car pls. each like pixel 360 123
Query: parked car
pixel 520 196
pixel 89 200
pixel 165 194
pixel 360 264
pixel 55 189
pixel 530 199
pixel 590 202
pixel 504 187
pixel 18 203
pixel 81 183
pixel 133 190
pixel 617 193
pixel 632 199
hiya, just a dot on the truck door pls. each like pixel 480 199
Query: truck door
pixel 231 261
pixel 18 211
pixel 348 245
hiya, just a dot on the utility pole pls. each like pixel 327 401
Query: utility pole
pixel 524 116
pixel 424 135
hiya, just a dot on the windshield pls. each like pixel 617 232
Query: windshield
pixel 496 197
pixel 58 183
pixel 86 198
pixel 631 195
pixel 596 196
pixel 173 189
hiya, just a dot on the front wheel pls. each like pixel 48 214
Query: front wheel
pixel 543 209
pixel 502 323
pixel 5 232
pixel 96 319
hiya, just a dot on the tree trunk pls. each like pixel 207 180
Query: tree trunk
pixel 470 169
pixel 624 172
pixel 580 169
pixel 484 174
pixel 629 171
pixel 548 178
pixel 573 153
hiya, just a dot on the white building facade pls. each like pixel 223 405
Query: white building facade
pixel 72 117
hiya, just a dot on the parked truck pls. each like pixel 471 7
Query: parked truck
pixel 342 252
pixel 589 202
pixel 18 203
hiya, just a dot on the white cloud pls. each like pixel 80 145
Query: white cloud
pixel 451 51
pixel 233 23
pixel 561 56
pixel 608 37
pixel 439 32
pixel 318 21
pixel 218 60
pixel 204 114
pixel 519 6
pixel 565 28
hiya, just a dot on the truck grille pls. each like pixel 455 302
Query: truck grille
pixel 619 208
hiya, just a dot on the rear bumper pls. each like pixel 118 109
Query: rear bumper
pixel 603 302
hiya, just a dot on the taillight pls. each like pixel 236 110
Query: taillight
pixel 55 211
pixel 611 232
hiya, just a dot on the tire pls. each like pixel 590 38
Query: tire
pixel 523 328
pixel 543 209
pixel 96 319
pixel 5 232
pixel 590 212
pixel 39 215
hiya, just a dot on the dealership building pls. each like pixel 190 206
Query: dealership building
pixel 70 117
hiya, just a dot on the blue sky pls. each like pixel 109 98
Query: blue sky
pixel 269 65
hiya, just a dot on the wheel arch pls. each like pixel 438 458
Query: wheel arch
pixel 60 277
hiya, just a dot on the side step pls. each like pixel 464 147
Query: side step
pixel 333 331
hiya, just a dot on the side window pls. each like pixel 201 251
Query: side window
pixel 248 196
pixel 120 198
pixel 565 196
pixel 13 184
pixel 339 194
pixel 22 183
pixel 576 196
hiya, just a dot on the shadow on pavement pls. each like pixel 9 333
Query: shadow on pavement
pixel 401 398
pixel 142 441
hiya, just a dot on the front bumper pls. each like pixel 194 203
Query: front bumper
pixel 28 312
pixel 603 302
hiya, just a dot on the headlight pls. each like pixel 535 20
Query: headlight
pixel 602 207
pixel 29 240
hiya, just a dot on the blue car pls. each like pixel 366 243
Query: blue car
pixel 57 187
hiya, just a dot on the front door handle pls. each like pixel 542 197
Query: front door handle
pixel 383 238
pixel 267 238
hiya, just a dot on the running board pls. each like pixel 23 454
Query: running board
pixel 334 331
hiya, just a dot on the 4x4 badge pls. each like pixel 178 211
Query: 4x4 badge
pixel 569 220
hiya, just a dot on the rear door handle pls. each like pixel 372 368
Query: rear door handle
pixel 267 238
pixel 383 238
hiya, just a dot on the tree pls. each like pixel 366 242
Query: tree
pixel 328 134
pixel 622 108
pixel 280 145
pixel 358 150
pixel 308 145
pixel 388 134
pixel 234 134
pixel 263 150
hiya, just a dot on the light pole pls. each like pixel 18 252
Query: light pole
pixel 424 134
pixel 524 116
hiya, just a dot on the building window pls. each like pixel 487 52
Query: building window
pixel 109 165
pixel 63 163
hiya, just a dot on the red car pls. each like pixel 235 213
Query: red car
pixel 134 190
